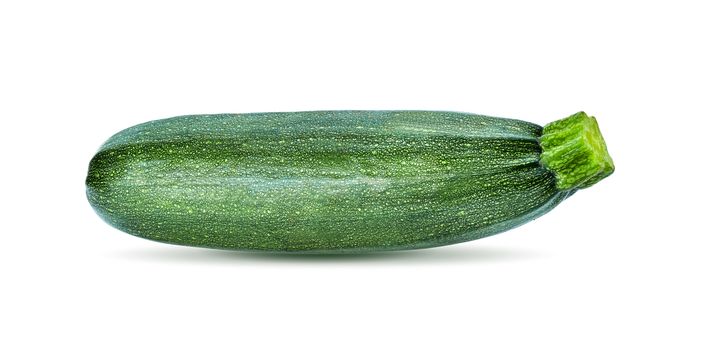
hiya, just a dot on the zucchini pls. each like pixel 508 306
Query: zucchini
pixel 339 181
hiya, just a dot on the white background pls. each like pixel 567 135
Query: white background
pixel 625 264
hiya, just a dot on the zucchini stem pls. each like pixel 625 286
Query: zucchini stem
pixel 574 150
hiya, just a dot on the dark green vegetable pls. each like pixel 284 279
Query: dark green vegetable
pixel 339 181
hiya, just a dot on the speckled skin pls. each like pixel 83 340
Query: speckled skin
pixel 322 182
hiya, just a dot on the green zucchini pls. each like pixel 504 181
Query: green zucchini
pixel 339 181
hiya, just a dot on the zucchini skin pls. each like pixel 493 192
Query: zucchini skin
pixel 322 181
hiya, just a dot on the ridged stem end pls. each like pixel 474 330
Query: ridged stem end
pixel 574 150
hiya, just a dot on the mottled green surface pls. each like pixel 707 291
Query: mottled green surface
pixel 575 151
pixel 328 181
